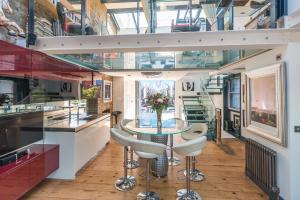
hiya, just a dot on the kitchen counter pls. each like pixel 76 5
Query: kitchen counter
pixel 75 124
pixel 79 139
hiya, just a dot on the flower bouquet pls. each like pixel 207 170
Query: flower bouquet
pixel 158 103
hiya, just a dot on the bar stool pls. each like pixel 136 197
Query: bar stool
pixel 196 132
pixel 131 164
pixel 189 149
pixel 148 150
pixel 126 182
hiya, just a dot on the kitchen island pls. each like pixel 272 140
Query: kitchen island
pixel 80 140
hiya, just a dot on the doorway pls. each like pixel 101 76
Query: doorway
pixel 232 105
pixel 145 88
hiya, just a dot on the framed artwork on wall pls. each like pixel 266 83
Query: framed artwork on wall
pixel 236 122
pixel 266 104
pixel 107 91
pixel 188 86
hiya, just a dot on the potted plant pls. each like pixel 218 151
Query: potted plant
pixel 93 101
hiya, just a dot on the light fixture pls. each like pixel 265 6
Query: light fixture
pixel 152 74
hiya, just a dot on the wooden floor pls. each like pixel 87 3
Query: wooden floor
pixel 223 166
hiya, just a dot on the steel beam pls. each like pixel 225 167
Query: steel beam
pixel 249 39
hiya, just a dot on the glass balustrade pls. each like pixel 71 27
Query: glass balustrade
pixel 213 59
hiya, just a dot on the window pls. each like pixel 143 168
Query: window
pixel 234 94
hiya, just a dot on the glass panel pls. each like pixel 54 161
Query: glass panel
pixel 158 60
pixel 150 87
pixel 234 93
pixel 235 101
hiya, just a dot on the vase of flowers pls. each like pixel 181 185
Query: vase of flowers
pixel 158 103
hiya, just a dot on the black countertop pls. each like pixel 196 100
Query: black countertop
pixel 75 124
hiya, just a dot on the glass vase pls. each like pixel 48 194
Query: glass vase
pixel 158 116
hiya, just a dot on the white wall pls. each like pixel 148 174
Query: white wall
pixel 118 95
pixel 288 158
pixel 293 91
pixel 124 97
pixel 293 5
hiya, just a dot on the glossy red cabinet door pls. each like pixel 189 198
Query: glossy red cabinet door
pixel 37 174
pixel 18 178
pixel 15 183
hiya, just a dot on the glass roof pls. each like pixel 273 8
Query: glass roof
pixel 170 13
pixel 126 20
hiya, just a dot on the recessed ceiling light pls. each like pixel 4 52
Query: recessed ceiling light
pixel 242 13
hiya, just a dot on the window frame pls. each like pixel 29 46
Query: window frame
pixel 230 93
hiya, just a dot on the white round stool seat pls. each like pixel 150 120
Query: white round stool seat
pixel 192 135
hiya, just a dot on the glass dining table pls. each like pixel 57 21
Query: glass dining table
pixel 150 129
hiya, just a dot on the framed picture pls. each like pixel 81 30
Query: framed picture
pixel 236 122
pixel 107 91
pixel 66 87
pixel 188 86
pixel 266 108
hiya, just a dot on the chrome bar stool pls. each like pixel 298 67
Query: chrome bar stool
pixel 149 151
pixel 173 161
pixel 196 132
pixel 189 149
pixel 126 182
pixel 131 164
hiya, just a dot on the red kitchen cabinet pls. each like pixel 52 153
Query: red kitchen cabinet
pixel 18 178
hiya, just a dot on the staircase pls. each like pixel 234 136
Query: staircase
pixel 200 109
pixel 215 84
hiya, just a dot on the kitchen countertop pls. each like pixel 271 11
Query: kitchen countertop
pixel 75 124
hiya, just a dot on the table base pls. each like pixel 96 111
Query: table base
pixel 159 166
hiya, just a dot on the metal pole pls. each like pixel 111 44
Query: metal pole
pixel 188 183
pixel 219 125
pixel 138 16
pixel 171 145
pixel 191 13
pixel 231 15
pixel 125 161
pixel 193 163
pixel 148 177
pixel 31 36
pixel 83 16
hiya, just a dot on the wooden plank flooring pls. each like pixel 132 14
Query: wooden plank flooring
pixel 223 166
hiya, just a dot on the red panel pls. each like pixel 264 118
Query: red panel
pixel 51 160
pixel 15 183
pixel 37 167
pixel 18 178
pixel 16 61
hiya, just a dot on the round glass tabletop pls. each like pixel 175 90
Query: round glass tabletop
pixel 149 126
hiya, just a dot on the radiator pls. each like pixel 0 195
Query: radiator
pixel 261 167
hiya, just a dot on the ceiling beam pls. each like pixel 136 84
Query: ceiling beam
pixel 249 39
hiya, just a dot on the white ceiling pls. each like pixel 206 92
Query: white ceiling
pixel 166 75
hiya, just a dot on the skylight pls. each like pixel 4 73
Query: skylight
pixel 126 20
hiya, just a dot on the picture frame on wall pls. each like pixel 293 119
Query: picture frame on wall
pixel 107 91
pixel 188 86
pixel 266 103
pixel 236 122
